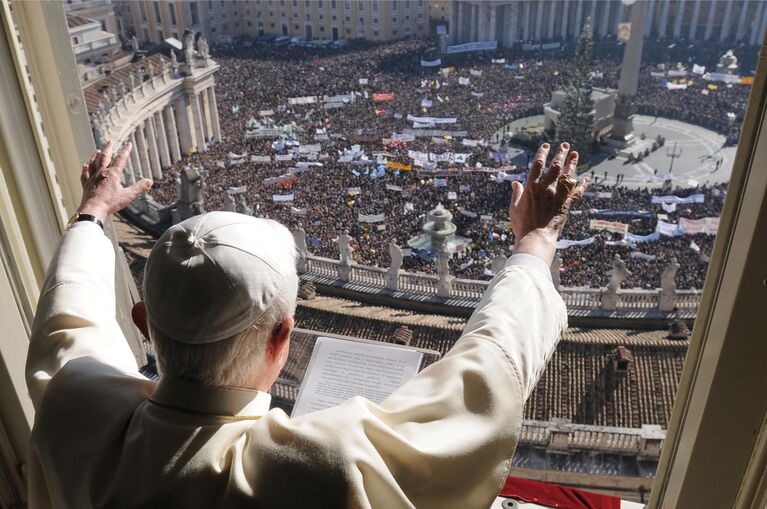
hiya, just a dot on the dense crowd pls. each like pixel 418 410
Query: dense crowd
pixel 257 78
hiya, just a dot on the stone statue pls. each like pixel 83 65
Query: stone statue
pixel 392 274
pixel 445 282
pixel 99 132
pixel 189 186
pixel 150 70
pixel 203 48
pixel 134 43
pixel 668 286
pixel 113 94
pixel 140 75
pixel 556 263
pixel 122 88
pixel 132 81
pixel 188 51
pixel 242 206
pixel 299 234
pixel 173 62
pixel 229 204
pixel 162 67
pixel 728 63
pixel 106 99
pixel 617 276
pixel 498 263
pixel 346 251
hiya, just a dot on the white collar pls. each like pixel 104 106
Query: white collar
pixel 211 400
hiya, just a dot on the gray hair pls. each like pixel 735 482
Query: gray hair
pixel 232 361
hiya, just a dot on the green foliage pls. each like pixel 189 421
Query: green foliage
pixel 576 120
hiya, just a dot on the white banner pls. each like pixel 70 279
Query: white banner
pixel 283 157
pixel 477 94
pixel 426 103
pixel 468 213
pixel 238 190
pixel 464 81
pixel 260 159
pixel 642 256
pixel 282 197
pixel 310 99
pixel 466 142
pixel 499 60
pixel 452 195
pixel 402 137
pixel 297 211
pixel 371 218
pixel 266 113
pixel 475 72
pixel 472 46
pixel 668 229
pixel 431 63
pixel 693 198
pixel 363 81
pixel 565 243
pixel 432 120
pixel 236 159
pixel 724 78
pixel 638 239
pixel 676 73
pixel 698 69
pixel 392 187
pixel 669 207
pixel 676 86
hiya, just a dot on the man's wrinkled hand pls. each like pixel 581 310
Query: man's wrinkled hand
pixel 101 178
pixel 540 207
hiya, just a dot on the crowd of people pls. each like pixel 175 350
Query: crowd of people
pixel 328 199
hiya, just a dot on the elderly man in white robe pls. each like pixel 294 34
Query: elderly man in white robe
pixel 220 292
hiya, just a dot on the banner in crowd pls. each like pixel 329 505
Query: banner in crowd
pixel 432 120
pixel 438 141
pixel 657 74
pixel 698 69
pixel 642 256
pixel 721 77
pixel 237 190
pixel 610 226
pixel 385 96
pixel 473 143
pixel 464 81
pixel 746 80
pixel 402 137
pixel 472 46
pixel 452 195
pixel 676 73
pixel 498 60
pixel 445 71
pixel 237 159
pixel 475 72
pixel 509 177
pixel 601 194
pixel 638 239
pixel 676 86
pixel 282 197
pixel 693 198
pixel 431 63
pixel 707 225
pixel 371 218
pixel 669 207
pixel 421 133
pixel 643 214
pixel 464 188
pixel 398 166
pixel 438 182
pixel 311 99
pixel 531 47
pixel 426 103
pixel 298 211
pixel 550 45
pixel 668 229
pixel 283 157
pixel 342 98
pixel 266 113
pixel 392 187
pixel 362 81
pixel 468 213
pixel 565 243
pixel 260 159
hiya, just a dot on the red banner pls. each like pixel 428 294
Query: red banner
pixel 383 97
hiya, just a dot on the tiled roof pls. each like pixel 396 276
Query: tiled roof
pixel 78 21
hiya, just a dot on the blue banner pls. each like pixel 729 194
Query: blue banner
pixel 643 214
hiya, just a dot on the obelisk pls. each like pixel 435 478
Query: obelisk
pixel 623 126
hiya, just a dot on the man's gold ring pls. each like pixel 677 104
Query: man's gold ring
pixel 568 183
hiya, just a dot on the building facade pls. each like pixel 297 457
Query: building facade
pixel 100 10
pixel 219 20
pixel 510 22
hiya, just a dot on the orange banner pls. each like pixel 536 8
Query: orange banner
pixel 398 166
pixel 389 96
pixel 747 80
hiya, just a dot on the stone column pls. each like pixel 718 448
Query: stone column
pixel 134 158
pixel 454 32
pixel 184 125
pixel 578 19
pixel 538 20
pixel 741 30
pixel 151 141
pixel 473 25
pixel 710 21
pixel 593 17
pixel 664 18
pixel 678 17
pixel 755 25
pixel 605 21
pixel 694 22
pixel 552 19
pixel 650 18
pixel 130 177
pixel 526 22
pixel 763 27
pixel 199 127
pixel 618 17
pixel 482 22
pixel 172 133
pixel 207 116
pixel 143 154
pixel 513 23
pixel 724 34
pixel 492 33
pixel 162 139
pixel 565 19
pixel 214 113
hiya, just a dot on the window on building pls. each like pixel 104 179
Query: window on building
pixel 213 29
pixel 156 8
pixel 407 18
pixel 332 4
pixel 295 14
pixel 295 27
pixel 210 5
pixel 407 4
pixel 420 3
pixel 75 40
pixel 172 13
pixel 295 3
pixel 175 35
pixel 322 29
pixel 319 4
pixel 282 3
pixel 375 5
pixel 142 10
pixel 394 5
pixel 271 25
pixel 362 21
pixel 334 17
pixel 307 3
pixel 146 34
pixel 348 19
pixel 375 33
pixel 375 21
pixel 394 19
pixel 160 36
pixel 361 6
pixel 194 13
pixel 394 32
pixel 322 16
pixel 237 24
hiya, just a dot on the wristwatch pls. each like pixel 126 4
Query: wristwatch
pixel 84 217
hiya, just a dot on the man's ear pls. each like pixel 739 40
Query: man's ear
pixel 138 313
pixel 278 343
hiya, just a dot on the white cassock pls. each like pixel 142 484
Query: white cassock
pixel 105 436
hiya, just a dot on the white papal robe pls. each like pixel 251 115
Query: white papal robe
pixel 106 436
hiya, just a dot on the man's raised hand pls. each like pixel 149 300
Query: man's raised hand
pixel 101 178
pixel 539 208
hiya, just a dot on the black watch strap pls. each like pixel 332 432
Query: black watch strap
pixel 87 217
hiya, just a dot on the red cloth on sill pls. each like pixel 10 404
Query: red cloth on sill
pixel 554 495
